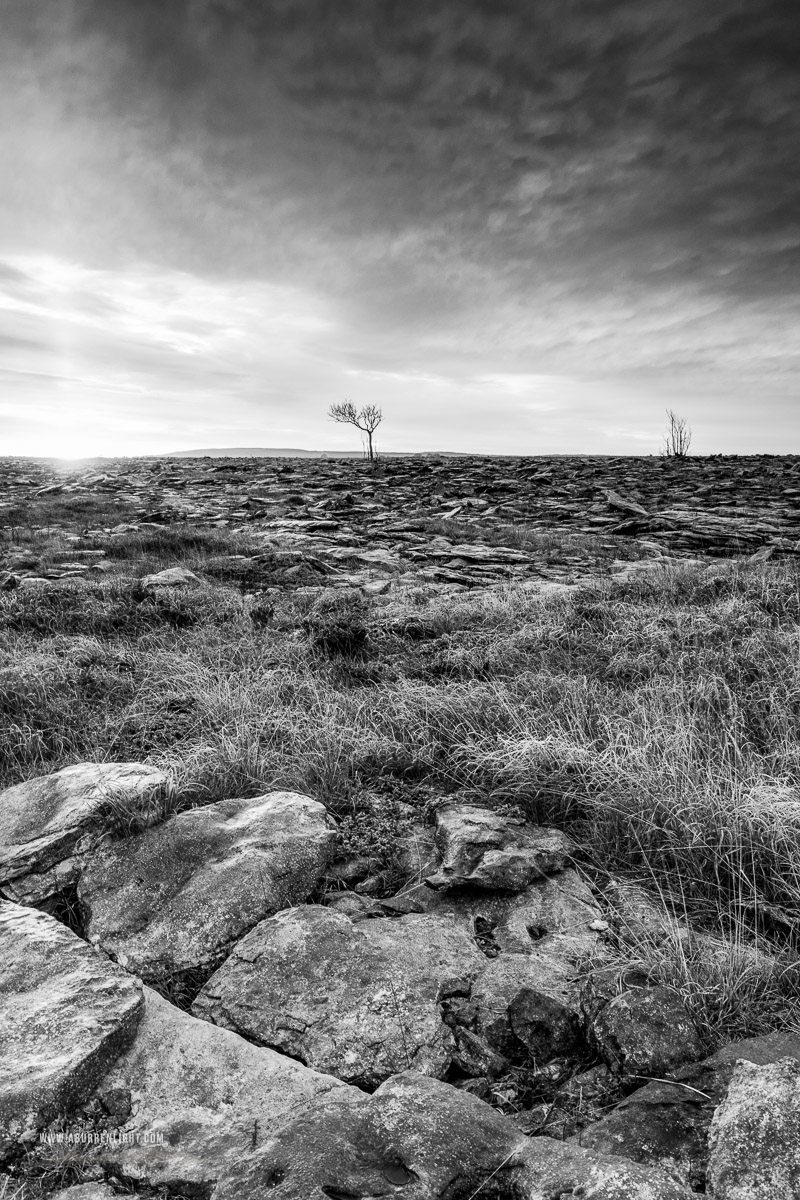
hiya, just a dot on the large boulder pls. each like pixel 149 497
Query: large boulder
pixel 480 848
pixel 175 898
pixel 668 1122
pixel 424 1140
pixel 645 1031
pixel 359 999
pixel 65 1014
pixel 42 821
pixel 188 1101
pixel 754 1140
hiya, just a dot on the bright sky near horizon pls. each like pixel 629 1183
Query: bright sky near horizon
pixel 519 226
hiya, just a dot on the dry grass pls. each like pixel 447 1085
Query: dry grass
pixel 657 720
pixel 555 546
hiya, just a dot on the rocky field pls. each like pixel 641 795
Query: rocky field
pixel 426 830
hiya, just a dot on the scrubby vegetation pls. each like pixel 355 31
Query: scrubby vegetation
pixel 657 720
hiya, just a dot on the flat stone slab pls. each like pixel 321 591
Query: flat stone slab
pixel 357 999
pixel 480 848
pixel 42 820
pixel 420 1139
pixel 194 1099
pixel 66 1013
pixel 177 897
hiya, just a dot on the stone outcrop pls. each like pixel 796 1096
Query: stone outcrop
pixel 169 1101
pixel 188 1101
pixel 473 974
pixel 359 999
pixel 423 1140
pixel 369 528
pixel 42 821
pixel 170 577
pixel 480 848
pixel 177 897
pixel 66 1013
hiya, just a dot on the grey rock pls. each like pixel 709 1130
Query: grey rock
pixel 624 504
pixel 525 1005
pixel 87 1191
pixel 555 913
pixel 43 820
pixel 552 1169
pixel 754 1140
pixel 645 1031
pixel 357 999
pixel 668 1122
pixel 483 849
pixel 425 1140
pixel 65 1014
pixel 170 577
pixel 196 1100
pixel 178 896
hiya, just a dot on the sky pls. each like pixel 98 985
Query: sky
pixel 518 226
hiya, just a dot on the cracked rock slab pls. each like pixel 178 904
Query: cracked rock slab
pixel 480 848
pixel 65 1014
pixel 195 1100
pixel 43 820
pixel 357 999
pixel 423 1140
pixel 177 897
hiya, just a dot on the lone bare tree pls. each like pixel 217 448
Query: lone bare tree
pixel 678 437
pixel 367 419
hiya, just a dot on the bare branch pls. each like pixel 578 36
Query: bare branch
pixel 371 417
pixel 678 437
pixel 344 413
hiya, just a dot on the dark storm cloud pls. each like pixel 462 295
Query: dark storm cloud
pixel 590 187
pixel 623 138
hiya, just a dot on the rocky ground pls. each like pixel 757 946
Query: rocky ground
pixel 229 999
pixel 460 521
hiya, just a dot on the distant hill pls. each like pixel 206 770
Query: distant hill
pixel 261 452
pixel 288 452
